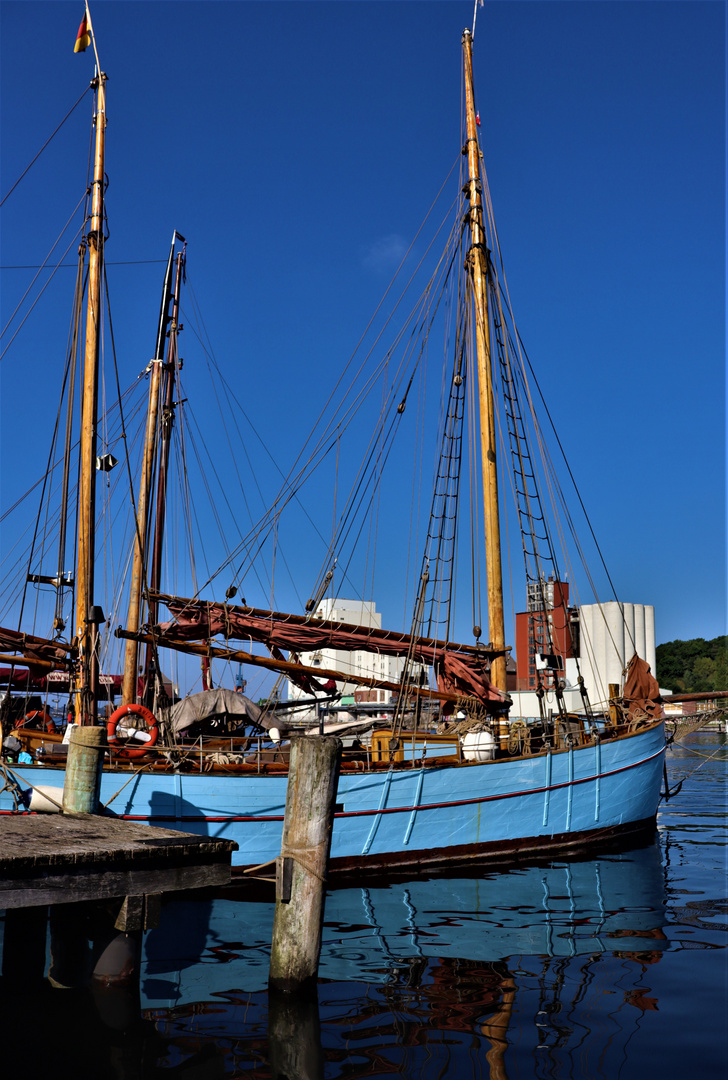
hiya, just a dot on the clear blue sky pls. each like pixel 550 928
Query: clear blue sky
pixel 298 145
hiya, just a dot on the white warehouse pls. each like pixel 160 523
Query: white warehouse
pixel 360 663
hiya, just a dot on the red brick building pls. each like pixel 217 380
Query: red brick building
pixel 546 630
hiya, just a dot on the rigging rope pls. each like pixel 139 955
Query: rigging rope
pixel 301 470
pixel 45 144
pixel 518 349
pixel 74 238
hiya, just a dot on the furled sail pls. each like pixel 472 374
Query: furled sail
pixel 460 670
pixel 38 654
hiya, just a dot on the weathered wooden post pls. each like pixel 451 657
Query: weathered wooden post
pixel 83 770
pixel 294 1036
pixel 301 868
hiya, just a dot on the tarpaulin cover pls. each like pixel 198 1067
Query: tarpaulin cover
pixel 211 703
pixel 641 692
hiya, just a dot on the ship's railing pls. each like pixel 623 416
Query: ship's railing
pixel 258 753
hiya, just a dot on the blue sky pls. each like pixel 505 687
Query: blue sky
pixel 297 146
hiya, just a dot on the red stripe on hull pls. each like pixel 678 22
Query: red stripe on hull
pixel 406 809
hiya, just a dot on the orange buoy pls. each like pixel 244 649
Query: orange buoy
pixel 131 710
pixel 30 719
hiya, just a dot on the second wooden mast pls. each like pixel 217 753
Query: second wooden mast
pixel 146 572
pixel 478 268
pixel 87 616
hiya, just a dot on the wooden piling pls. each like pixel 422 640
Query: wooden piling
pixel 301 868
pixel 294 1036
pixel 83 770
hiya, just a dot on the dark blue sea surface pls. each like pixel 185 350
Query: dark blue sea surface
pixel 610 967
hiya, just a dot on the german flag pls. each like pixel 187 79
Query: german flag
pixel 83 38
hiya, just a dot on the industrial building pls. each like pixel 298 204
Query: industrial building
pixel 554 640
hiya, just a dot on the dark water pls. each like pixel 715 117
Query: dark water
pixel 612 967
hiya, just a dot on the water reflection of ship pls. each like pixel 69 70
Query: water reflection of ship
pixel 528 952
pixel 614 905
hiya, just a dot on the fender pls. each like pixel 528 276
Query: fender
pixel 44 716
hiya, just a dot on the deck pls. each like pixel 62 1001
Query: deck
pixel 47 859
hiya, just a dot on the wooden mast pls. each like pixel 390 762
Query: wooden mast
pixel 165 442
pixel 477 263
pixel 87 631
pixel 129 684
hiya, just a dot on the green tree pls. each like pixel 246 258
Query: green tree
pixel 721 670
pixel 693 666
pixel 703 674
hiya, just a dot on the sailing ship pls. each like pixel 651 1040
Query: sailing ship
pixel 450 775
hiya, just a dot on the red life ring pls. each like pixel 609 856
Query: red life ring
pixel 131 710
pixel 42 715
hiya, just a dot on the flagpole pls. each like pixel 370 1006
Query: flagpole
pixel 93 38
pixel 475 15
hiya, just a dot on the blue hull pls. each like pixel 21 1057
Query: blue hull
pixel 413 817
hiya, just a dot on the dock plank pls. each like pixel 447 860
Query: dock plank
pixel 60 858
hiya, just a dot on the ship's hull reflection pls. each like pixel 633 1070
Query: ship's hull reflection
pixel 429 977
pixel 615 904
pixel 447 977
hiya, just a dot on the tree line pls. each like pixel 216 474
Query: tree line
pixel 693 667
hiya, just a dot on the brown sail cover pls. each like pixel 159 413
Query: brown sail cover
pixel 35 653
pixel 641 692
pixel 463 673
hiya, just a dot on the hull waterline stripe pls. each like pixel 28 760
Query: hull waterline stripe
pixel 404 809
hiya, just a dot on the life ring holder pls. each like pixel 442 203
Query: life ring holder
pixel 41 714
pixel 131 751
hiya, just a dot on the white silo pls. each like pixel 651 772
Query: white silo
pixel 610 634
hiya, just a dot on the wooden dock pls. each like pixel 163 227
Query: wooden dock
pixel 47 859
